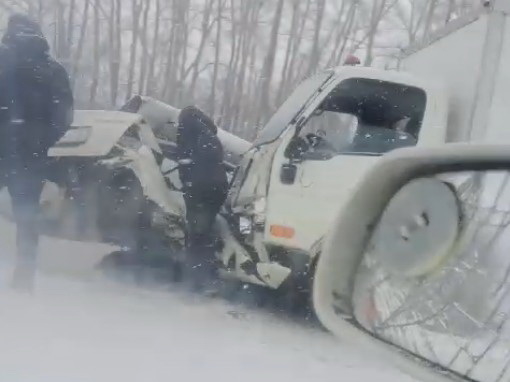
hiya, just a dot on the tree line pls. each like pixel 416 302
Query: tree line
pixel 236 59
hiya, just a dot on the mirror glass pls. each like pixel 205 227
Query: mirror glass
pixel 435 277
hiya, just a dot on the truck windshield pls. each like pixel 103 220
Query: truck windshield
pixel 291 107
pixel 365 116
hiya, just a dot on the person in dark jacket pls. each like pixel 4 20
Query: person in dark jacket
pixel 204 179
pixel 36 108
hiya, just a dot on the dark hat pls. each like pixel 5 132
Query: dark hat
pixel 26 34
pixel 19 22
pixel 193 116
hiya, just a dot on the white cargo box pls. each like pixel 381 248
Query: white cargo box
pixel 472 58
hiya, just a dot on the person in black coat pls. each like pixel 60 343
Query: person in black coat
pixel 36 108
pixel 203 175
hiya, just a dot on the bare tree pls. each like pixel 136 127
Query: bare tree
pixel 145 47
pixel 316 49
pixel 432 4
pixel 136 9
pixel 343 34
pixel 290 42
pixel 216 64
pixel 238 58
pixel 170 44
pixel 68 39
pixel 81 41
pixel 248 40
pixel 96 55
pixel 268 67
pixel 296 46
pixel 115 51
pixel 236 26
pixel 376 15
pixel 413 19
pixel 205 30
pixel 151 83
pixel 150 88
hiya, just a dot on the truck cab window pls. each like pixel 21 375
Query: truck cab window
pixel 328 133
pixel 364 117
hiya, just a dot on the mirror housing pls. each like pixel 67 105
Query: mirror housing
pixel 339 273
pixel 288 173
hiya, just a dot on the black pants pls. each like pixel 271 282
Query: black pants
pixel 200 239
pixel 25 187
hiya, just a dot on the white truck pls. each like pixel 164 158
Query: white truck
pixel 286 189
pixel 290 184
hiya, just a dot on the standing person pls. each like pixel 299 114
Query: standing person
pixel 204 179
pixel 36 108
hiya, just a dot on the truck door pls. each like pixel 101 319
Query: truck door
pixel 243 187
pixel 300 212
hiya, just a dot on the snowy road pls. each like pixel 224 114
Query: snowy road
pixel 93 330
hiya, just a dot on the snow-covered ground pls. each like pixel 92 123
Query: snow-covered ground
pixel 88 329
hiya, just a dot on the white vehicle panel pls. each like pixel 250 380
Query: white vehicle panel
pixel 498 130
pixel 502 5
pixel 440 62
pixel 310 205
pixel 106 128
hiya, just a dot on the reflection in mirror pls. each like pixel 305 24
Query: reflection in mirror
pixel 435 277
pixel 329 132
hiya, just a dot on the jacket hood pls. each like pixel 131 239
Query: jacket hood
pixel 25 36
pixel 195 119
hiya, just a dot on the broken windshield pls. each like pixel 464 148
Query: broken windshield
pixel 366 116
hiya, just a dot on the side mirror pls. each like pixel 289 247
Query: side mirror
pixel 416 266
pixel 296 149
pixel 288 173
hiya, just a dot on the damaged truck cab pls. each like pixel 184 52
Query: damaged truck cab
pixel 321 142
pixel 287 186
